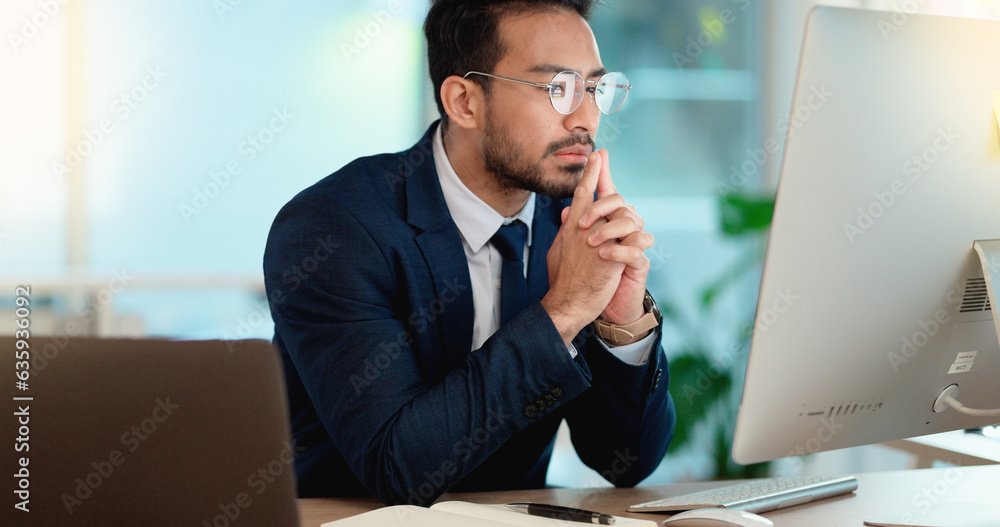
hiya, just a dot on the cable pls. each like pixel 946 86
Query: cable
pixel 961 408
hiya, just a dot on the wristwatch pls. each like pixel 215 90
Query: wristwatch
pixel 619 335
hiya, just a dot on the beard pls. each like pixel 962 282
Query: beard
pixel 505 159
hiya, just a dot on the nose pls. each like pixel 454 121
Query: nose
pixel 586 118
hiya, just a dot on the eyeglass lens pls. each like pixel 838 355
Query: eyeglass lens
pixel 568 88
pixel 566 92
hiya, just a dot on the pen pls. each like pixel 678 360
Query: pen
pixel 563 513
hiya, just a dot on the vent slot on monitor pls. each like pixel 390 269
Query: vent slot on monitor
pixel 976 298
pixel 841 409
pixel 851 408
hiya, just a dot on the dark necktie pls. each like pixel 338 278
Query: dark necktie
pixel 509 240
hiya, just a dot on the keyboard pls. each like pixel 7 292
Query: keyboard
pixel 760 495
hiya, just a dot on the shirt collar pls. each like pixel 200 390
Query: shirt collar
pixel 475 219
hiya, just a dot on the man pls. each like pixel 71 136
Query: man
pixel 434 307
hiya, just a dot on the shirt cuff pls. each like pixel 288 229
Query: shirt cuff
pixel 572 351
pixel 636 353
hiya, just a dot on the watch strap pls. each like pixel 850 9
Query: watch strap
pixel 622 334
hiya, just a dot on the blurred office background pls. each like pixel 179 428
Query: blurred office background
pixel 147 147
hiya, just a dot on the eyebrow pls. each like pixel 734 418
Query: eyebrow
pixel 556 68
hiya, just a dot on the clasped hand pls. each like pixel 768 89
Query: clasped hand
pixel 597 263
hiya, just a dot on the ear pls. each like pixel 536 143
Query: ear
pixel 463 101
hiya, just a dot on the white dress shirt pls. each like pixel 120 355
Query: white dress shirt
pixel 477 222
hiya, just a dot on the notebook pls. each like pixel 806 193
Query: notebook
pixel 147 432
pixel 458 514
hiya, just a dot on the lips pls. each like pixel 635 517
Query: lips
pixel 573 154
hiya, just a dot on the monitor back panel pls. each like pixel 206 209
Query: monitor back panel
pixel 146 432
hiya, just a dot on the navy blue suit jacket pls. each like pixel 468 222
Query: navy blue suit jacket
pixel 370 293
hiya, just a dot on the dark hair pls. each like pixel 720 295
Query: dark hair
pixel 463 36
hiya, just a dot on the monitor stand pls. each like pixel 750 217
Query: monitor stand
pixel 961 514
pixel 989 257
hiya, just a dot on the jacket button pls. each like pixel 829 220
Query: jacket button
pixel 656 379
pixel 531 411
pixel 556 393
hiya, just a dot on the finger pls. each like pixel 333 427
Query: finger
pixel 612 207
pixel 613 230
pixel 632 257
pixel 583 196
pixel 637 240
pixel 628 211
pixel 601 208
pixel 605 187
pixel 565 213
pixel 642 240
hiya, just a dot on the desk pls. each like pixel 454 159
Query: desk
pixel 956 447
pixel 879 493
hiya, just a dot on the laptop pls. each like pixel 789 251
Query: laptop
pixel 146 432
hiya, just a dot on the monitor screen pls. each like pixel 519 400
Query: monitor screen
pixel 873 298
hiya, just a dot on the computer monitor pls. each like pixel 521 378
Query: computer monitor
pixel 874 297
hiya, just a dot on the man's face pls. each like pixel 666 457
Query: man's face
pixel 526 143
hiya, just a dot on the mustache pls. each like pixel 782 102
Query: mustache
pixel 575 139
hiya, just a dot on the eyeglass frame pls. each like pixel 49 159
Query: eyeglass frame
pixel 550 86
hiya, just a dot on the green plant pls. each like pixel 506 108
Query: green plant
pixel 703 388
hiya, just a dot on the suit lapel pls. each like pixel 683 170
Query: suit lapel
pixel 441 246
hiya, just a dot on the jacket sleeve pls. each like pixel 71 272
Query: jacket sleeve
pixel 621 426
pixel 341 321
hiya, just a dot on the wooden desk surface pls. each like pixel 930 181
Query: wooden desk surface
pixel 893 494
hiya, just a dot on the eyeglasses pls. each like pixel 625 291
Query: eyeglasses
pixel 566 90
